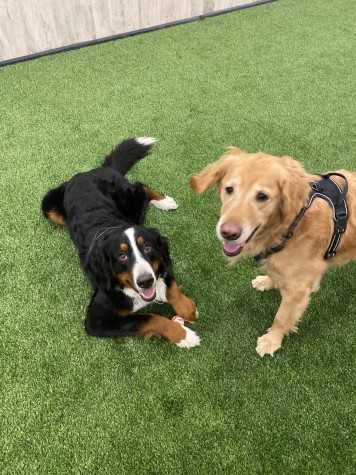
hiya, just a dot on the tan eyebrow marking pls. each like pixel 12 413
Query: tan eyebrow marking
pixel 124 247
pixel 140 240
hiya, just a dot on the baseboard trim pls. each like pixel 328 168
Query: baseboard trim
pixel 85 44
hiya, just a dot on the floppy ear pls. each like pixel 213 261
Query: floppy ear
pixel 294 189
pixel 163 250
pixel 101 270
pixel 213 172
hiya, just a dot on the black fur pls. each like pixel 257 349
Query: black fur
pixel 53 201
pixel 98 207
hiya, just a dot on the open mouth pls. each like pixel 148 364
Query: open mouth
pixel 148 295
pixel 232 248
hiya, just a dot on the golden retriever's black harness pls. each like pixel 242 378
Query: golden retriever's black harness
pixel 328 190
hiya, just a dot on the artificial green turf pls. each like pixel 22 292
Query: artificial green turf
pixel 278 78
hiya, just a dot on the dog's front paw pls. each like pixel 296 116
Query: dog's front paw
pixel 191 339
pixel 262 282
pixel 268 344
pixel 166 204
pixel 186 309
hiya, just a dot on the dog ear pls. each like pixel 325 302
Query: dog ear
pixel 213 173
pixel 101 270
pixel 162 246
pixel 294 187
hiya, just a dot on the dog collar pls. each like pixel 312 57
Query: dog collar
pixel 330 191
pixel 98 235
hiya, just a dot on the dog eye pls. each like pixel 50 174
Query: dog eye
pixel 229 190
pixel 147 249
pixel 122 256
pixel 261 197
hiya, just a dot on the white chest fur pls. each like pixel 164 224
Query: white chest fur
pixel 138 302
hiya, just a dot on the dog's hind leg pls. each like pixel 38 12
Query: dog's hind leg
pixel 160 201
pixel 52 205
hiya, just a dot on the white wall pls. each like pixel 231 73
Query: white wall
pixel 33 26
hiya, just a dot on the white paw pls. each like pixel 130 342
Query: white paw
pixel 262 282
pixel 191 339
pixel 268 344
pixel 166 204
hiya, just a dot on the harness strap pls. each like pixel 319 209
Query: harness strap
pixel 329 190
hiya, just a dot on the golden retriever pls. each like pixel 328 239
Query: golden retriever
pixel 261 195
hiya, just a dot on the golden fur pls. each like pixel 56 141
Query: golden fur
pixel 297 270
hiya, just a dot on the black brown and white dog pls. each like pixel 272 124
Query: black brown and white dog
pixel 128 264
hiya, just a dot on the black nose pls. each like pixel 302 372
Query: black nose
pixel 145 281
pixel 230 231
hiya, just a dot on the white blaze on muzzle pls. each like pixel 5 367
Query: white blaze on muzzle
pixel 140 267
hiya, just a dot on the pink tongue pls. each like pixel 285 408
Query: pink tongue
pixel 148 294
pixel 231 247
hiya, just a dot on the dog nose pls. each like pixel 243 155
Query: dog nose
pixel 230 231
pixel 145 281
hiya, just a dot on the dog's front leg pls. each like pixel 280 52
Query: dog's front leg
pixel 103 321
pixel 289 313
pixel 182 305
pixel 263 282
pixel 155 325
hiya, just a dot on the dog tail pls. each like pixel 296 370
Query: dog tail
pixel 53 207
pixel 128 152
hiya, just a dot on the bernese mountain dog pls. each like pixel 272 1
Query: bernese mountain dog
pixel 128 264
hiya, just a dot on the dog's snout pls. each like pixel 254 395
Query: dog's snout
pixel 230 231
pixel 145 281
